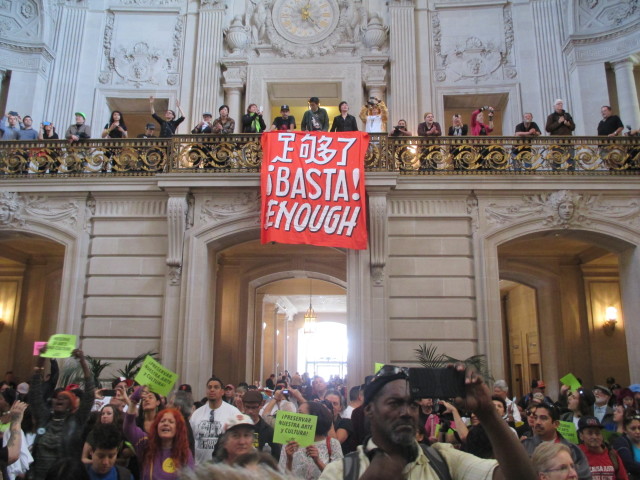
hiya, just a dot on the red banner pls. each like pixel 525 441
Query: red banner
pixel 313 188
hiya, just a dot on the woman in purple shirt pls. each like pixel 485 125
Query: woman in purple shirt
pixel 165 450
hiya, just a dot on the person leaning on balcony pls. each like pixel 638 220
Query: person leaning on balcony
pixel 224 124
pixel 79 130
pixel 169 125
pixel 610 125
pixel 560 121
pixel 47 131
pixel 252 121
pixel 115 127
pixel 477 119
pixel 458 129
pixel 527 128
pixel 429 128
pixel 9 126
pixel 205 125
pixel 400 130
pixel 149 131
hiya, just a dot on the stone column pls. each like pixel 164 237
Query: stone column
pixel 207 59
pixel 402 44
pixel 235 77
pixel 374 76
pixel 61 95
pixel 627 93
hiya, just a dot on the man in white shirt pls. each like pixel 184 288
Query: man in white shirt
pixel 208 421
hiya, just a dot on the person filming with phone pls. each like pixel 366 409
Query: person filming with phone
pixel 392 452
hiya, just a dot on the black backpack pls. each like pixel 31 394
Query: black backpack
pixel 351 464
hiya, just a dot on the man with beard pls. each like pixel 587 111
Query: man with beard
pixel 393 452
pixel 546 420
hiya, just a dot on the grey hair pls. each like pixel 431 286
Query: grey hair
pixel 183 401
pixel 219 471
pixel 544 454
pixel 501 385
pixel 558 100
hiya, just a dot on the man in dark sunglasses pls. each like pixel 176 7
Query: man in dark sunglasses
pixel 392 451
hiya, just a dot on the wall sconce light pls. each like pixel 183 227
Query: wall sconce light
pixel 611 318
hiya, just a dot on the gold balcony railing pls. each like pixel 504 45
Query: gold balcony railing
pixel 405 155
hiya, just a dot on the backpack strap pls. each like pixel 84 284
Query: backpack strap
pixel 438 463
pixel 613 456
pixel 351 466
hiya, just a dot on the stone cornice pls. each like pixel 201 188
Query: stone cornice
pixel 25 48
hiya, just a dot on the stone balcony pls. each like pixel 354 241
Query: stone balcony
pixel 402 155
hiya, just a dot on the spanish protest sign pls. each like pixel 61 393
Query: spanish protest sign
pixel 568 431
pixel 158 378
pixel 294 426
pixel 571 381
pixel 60 345
pixel 313 188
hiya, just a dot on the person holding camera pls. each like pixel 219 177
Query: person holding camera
pixel 479 128
pixel 79 130
pixel 458 129
pixel 400 130
pixel 374 115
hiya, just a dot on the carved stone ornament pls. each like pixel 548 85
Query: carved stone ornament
pixel 237 36
pixel 138 64
pixel 18 21
pixel 564 209
pixel 17 210
pixel 149 3
pixel 375 34
pixel 175 274
pixel 594 16
pixel 230 207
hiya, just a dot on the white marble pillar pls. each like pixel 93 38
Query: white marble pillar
pixel 61 95
pixel 207 60
pixel 402 44
pixel 232 97
pixel 627 93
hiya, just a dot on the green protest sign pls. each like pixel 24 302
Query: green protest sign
pixel 571 381
pixel 568 431
pixel 60 345
pixel 376 367
pixel 294 426
pixel 158 378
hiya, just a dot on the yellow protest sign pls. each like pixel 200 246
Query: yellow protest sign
pixel 571 381
pixel 158 378
pixel 376 367
pixel 60 345
pixel 294 426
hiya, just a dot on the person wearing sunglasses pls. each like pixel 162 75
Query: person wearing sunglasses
pixel 392 452
pixel 546 420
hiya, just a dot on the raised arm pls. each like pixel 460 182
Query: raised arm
pixel 14 444
pixel 179 108
pixel 153 110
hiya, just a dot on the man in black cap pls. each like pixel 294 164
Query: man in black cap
pixel 393 452
pixel 150 129
pixel 205 125
pixel 284 121
pixel 316 118
pixel 604 462
pixel 252 402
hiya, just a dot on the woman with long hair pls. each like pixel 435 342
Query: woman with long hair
pixel 164 451
pixel 628 446
pixel 579 403
pixel 115 127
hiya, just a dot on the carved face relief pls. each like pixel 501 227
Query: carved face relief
pixel 566 210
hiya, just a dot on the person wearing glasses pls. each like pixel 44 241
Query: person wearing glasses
pixel 208 421
pixel 392 451
pixel 628 446
pixel 552 461
pixel 546 420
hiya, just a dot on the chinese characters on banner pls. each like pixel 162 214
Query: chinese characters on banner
pixel 313 188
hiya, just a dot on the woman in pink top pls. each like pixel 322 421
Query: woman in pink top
pixel 477 117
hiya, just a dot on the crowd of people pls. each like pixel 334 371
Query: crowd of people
pixel 376 430
pixel 374 116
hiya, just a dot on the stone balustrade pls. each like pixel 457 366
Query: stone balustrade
pixel 405 155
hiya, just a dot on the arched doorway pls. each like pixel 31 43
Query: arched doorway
pixel 30 284
pixel 555 288
pixel 268 284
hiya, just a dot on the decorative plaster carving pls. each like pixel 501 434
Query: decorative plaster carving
pixel 177 209
pixel 473 211
pixel 149 3
pixel 237 36
pixel 257 19
pixel 213 3
pixel 564 209
pixel 409 207
pixel 20 21
pixel 138 64
pixel 375 34
pixel 356 16
pixel 593 16
pixel 378 236
pixel 175 275
pixel 232 206
pixel 90 211
pixel 18 209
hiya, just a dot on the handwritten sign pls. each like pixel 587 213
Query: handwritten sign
pixel 313 190
pixel 36 348
pixel 158 378
pixel 568 431
pixel 60 345
pixel 571 381
pixel 294 426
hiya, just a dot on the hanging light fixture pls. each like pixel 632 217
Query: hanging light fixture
pixel 310 317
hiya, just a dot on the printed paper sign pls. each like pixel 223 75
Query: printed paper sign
pixel 36 348
pixel 60 345
pixel 571 381
pixel 313 188
pixel 294 426
pixel 376 367
pixel 158 378
pixel 568 431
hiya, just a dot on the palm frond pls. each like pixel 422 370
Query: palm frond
pixel 132 368
pixel 428 357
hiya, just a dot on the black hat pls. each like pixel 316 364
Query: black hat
pixel 388 373
pixel 284 107
pixel 185 387
pixel 587 422
pixel 151 126
pixel 314 100
pixel 252 396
